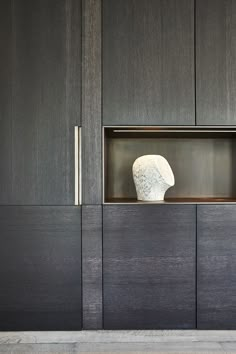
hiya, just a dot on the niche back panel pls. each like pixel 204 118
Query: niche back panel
pixel 148 62
pixel 204 167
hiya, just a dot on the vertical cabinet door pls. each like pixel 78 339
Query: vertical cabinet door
pixel 5 100
pixel 149 266
pixel 40 268
pixel 40 91
pixel 216 64
pixel 92 266
pixel 148 62
pixel 216 249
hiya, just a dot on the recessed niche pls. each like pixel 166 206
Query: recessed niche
pixel 203 161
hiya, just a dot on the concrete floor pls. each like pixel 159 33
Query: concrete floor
pixel 135 342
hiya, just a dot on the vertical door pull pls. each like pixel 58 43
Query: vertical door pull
pixel 77 139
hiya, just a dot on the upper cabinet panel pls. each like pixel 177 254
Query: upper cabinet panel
pixel 148 62
pixel 40 88
pixel 216 64
pixel 5 100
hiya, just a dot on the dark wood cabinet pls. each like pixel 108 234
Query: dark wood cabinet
pixel 215 62
pixel 40 268
pixel 149 266
pixel 216 249
pixel 40 100
pixel 127 63
pixel 148 62
pixel 40 104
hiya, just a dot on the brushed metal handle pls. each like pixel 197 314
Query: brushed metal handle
pixel 77 162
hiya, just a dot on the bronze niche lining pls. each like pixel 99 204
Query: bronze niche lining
pixel 203 160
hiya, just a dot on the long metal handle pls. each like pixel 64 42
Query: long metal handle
pixel 77 139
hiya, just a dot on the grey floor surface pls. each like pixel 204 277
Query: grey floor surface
pixel 135 342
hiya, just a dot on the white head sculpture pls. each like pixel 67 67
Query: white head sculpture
pixel 152 177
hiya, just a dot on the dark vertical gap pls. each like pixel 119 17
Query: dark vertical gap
pixel 196 264
pixel 80 144
pixel 13 76
pixel 195 62
pixel 81 77
pixel 102 273
pixel 102 162
pixel 82 97
pixel 195 97
pixel 81 260
pixel 102 136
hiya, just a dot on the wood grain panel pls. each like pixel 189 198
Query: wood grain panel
pixel 91 104
pixel 92 267
pixel 45 69
pixel 216 65
pixel 5 100
pixel 40 271
pixel 216 266
pixel 148 62
pixel 149 266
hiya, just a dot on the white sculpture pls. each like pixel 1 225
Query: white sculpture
pixel 152 177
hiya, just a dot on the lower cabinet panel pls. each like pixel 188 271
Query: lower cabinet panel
pixel 40 268
pixel 149 266
pixel 92 266
pixel 216 288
